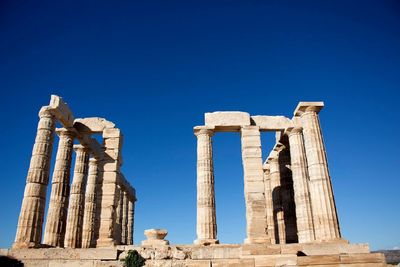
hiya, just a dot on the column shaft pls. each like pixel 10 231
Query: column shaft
pixel 305 225
pixel 73 236
pixel 206 214
pixel 324 211
pixel 90 206
pixel 131 216
pixel 58 208
pixel 254 189
pixel 124 225
pixel 279 225
pixel 30 223
pixel 269 205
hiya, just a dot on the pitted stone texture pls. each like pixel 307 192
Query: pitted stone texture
pixel 271 123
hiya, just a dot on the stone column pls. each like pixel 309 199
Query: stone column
pixel 322 200
pixel 90 206
pixel 206 214
pixel 30 223
pixel 73 236
pixel 131 216
pixel 279 224
pixel 287 192
pixel 124 225
pixel 305 225
pixel 108 190
pixel 254 186
pixel 118 216
pixel 57 214
pixel 268 203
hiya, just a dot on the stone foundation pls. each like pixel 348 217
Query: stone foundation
pixel 310 254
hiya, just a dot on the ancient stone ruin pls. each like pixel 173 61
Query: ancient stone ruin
pixel 96 210
pixel 290 207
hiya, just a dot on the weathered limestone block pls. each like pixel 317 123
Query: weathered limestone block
pixel 61 111
pixel 29 229
pixel 206 227
pixel 88 226
pixel 227 120
pixel 73 236
pixel 271 123
pixel 57 214
pixel 155 237
pixel 92 125
pixel 321 194
pixel 254 186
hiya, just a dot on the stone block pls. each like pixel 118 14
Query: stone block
pixel 232 263
pixel 318 259
pixel 227 121
pixel 256 249
pixel 272 123
pixel 199 263
pixel 112 133
pixel 216 252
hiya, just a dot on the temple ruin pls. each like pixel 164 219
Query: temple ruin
pixel 96 210
pixel 290 207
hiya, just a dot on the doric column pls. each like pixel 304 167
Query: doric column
pixel 305 225
pixel 124 226
pixel 57 214
pixel 131 216
pixel 254 186
pixel 30 223
pixel 322 200
pixel 206 214
pixel 90 206
pixel 73 235
pixel 279 224
pixel 268 203
pixel 287 194
pixel 118 216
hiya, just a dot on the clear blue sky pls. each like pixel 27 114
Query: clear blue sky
pixel 155 68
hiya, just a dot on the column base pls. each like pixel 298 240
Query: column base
pixel 206 242
pixel 17 245
pixel 263 240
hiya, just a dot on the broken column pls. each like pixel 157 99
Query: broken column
pixel 254 186
pixel 73 235
pixel 206 217
pixel 58 208
pixel 324 211
pixel 30 223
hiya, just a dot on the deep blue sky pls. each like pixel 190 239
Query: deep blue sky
pixel 155 68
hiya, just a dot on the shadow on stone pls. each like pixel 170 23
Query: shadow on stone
pixel 301 254
pixel 10 262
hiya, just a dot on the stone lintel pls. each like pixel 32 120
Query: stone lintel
pixel 227 120
pixel 61 111
pixel 92 125
pixel 308 106
pixel 271 123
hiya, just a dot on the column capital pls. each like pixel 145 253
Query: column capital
pixel 304 107
pixel 64 132
pixel 45 112
pixel 80 148
pixel 208 130
pixel 293 130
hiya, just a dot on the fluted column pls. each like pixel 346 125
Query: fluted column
pixel 268 203
pixel 58 208
pixel 305 225
pixel 73 236
pixel 254 189
pixel 30 223
pixel 322 200
pixel 124 226
pixel 90 205
pixel 131 216
pixel 206 214
pixel 279 224
pixel 287 194
pixel 118 216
